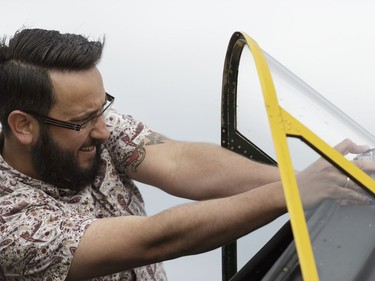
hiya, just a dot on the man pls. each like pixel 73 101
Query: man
pixel 69 208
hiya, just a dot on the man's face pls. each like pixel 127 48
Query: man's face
pixel 60 166
pixel 64 157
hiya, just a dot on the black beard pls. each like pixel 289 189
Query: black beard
pixel 59 166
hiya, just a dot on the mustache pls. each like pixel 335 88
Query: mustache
pixel 96 143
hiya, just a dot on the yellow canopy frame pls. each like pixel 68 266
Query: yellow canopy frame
pixel 284 125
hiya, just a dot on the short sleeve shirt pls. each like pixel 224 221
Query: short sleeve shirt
pixel 41 225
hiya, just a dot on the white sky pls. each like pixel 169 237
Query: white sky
pixel 164 60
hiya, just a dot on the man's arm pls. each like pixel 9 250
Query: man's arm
pixel 197 171
pixel 202 171
pixel 115 244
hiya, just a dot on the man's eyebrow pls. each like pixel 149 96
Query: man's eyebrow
pixel 90 113
pixel 83 116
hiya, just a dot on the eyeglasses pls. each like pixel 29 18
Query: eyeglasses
pixel 73 126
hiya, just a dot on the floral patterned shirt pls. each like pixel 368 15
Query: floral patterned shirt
pixel 41 225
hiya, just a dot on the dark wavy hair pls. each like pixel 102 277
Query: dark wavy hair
pixel 25 82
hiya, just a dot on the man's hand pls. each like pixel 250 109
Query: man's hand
pixel 321 180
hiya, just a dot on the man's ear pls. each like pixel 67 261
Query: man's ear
pixel 24 127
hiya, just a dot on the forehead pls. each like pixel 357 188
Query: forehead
pixel 77 91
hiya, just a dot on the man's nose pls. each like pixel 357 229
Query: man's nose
pixel 100 130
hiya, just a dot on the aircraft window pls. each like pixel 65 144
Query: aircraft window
pixel 342 233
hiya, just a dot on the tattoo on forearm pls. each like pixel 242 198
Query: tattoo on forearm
pixel 154 138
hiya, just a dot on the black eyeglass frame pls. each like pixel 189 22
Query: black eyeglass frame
pixel 69 125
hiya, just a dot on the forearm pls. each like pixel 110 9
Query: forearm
pixel 201 171
pixel 117 244
pixel 216 222
pixel 221 172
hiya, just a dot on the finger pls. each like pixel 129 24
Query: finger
pixel 347 146
pixel 353 196
pixel 346 202
pixel 357 188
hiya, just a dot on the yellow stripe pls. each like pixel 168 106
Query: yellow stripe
pixel 294 205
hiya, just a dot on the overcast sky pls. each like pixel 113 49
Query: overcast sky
pixel 164 60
